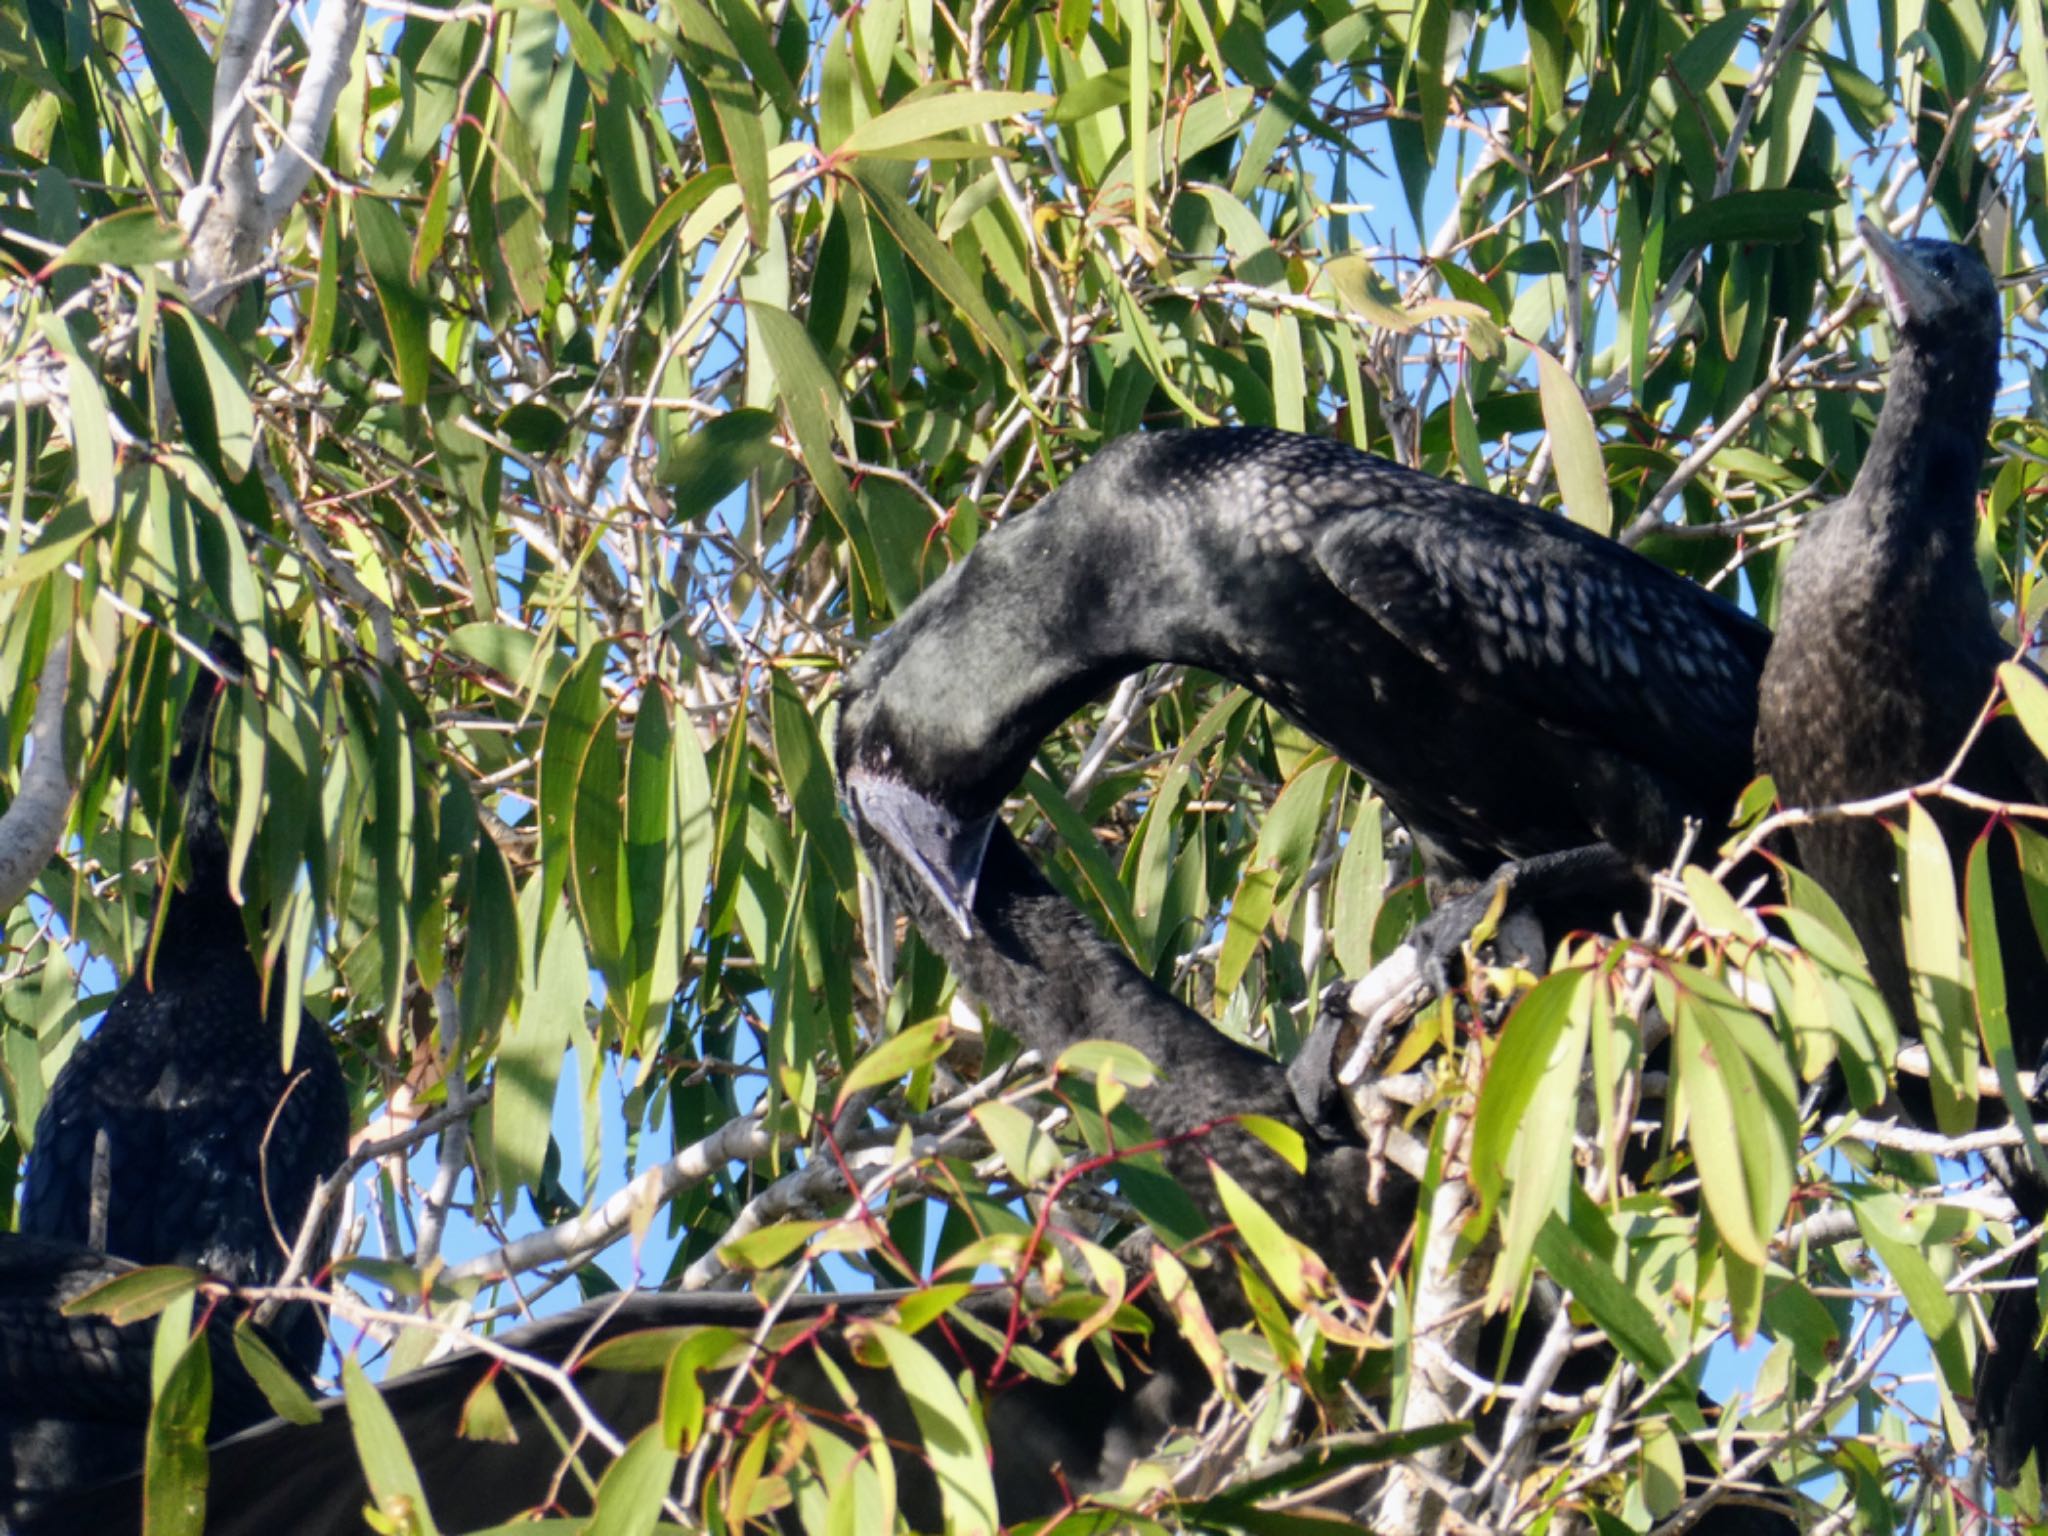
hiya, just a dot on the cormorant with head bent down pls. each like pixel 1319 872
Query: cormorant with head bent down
pixel 1046 975
pixel 1519 690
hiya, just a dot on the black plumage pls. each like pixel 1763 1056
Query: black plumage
pixel 1516 688
pixel 1886 649
pixel 174 1135
pixel 1886 655
pixel 306 1479
pixel 1049 977
pixel 88 1379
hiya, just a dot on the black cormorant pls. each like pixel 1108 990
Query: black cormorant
pixel 1886 650
pixel 308 1480
pixel 1046 975
pixel 1517 688
pixel 87 1379
pixel 173 1135
pixel 1886 655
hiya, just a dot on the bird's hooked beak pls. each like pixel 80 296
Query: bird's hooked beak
pixel 1909 291
pixel 943 850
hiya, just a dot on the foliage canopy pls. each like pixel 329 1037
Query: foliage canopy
pixel 552 398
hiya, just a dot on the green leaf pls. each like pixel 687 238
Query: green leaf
pixel 1027 1151
pixel 930 257
pixel 629 1496
pixel 2027 691
pixel 2033 64
pixel 280 1387
pixel 1251 908
pixel 174 1457
pixel 234 419
pixel 132 238
pixel 1941 990
pixel 565 736
pixel 1097 873
pixel 817 417
pixel 713 58
pixel 1987 965
pixel 1106 1059
pixel 1550 1047
pixel 135 1296
pixel 181 70
pixel 765 1247
pixel 491 961
pixel 391 844
pixel 652 862
pixel 485 1417
pixel 682 1391
pixel 1624 1319
pixel 387 1465
pixel 1574 446
pixel 1881 1219
pixel 928 117
pixel 953 1441
pixel 387 252
pixel 695 830
pixel 597 873
pixel 515 655
pixel 1532 1040
pixel 807 776
pixel 715 458
pixel 1717 910
pixel 529 1063
pixel 1739 1102
pixel 534 427
pixel 1361 884
pixel 1278 1254
pixel 1286 1142
pixel 914 1046
pixel 1748 217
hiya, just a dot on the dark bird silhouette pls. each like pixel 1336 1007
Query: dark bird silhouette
pixel 1046 975
pixel 1886 651
pixel 1886 655
pixel 88 1379
pixel 1519 690
pixel 174 1135
pixel 307 1479
pixel 1050 978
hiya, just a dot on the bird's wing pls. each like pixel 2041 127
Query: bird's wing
pixel 1523 606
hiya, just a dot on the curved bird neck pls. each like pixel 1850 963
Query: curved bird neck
pixel 1046 613
pixel 1047 976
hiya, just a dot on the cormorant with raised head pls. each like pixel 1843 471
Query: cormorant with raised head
pixel 174 1135
pixel 1517 688
pixel 1886 654
pixel 1886 650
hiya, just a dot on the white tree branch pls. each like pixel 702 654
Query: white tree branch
pixel 35 821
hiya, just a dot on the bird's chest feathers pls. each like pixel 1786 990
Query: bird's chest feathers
pixel 1862 689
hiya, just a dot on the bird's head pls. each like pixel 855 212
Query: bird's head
pixel 940 843
pixel 1938 293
